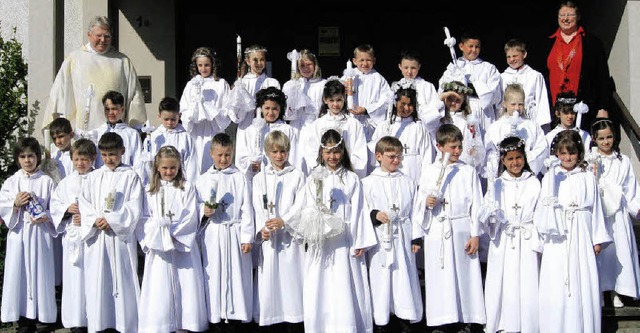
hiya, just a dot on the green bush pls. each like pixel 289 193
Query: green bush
pixel 16 120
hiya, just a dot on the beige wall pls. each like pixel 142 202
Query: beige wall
pixel 147 35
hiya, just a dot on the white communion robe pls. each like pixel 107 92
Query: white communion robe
pixel 203 115
pixel 511 284
pixel 227 271
pixel 86 68
pixel 618 261
pixel 111 280
pixel 569 217
pixel 352 133
pixel 130 137
pixel 172 294
pixel 336 293
pixel 252 84
pixel 310 90
pixel 536 147
pixel 74 304
pixel 473 148
pixel 453 282
pixel 371 91
pixel 250 145
pixel 280 272
pixel 393 274
pixel 487 85
pixel 179 139
pixel 28 289
pixel 416 143
pixel 535 89
pixel 428 103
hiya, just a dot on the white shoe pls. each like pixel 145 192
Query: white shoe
pixel 617 303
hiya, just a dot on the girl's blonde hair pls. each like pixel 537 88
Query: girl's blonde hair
pixel 166 152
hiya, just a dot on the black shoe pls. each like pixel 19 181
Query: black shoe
pixel 403 326
pixel 26 325
pixel 380 329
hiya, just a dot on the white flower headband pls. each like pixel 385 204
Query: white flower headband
pixel 403 84
pixel 337 143
pixel 518 146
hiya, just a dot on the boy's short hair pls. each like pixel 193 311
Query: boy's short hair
pixel 221 139
pixel 388 143
pixel 110 141
pixel 60 125
pixel 169 104
pixel 27 143
pixel 448 133
pixel 516 44
pixel 114 96
pixel 83 146
pixel 364 48
pixel 470 34
pixel 277 139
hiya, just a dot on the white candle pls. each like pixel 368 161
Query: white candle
pixel 238 45
pixel 47 139
pixel 349 67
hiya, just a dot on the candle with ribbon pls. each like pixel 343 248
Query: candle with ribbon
pixel 443 168
pixel 89 94
pixel 162 201
pixel 349 74
pixel 294 56
pixel 238 54
pixel 580 108
pixel 451 43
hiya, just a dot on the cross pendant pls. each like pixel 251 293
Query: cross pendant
pixel 395 208
pixel 170 215
pixel 271 206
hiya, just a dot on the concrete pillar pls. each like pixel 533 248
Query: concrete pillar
pixel 42 51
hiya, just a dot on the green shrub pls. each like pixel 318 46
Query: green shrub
pixel 15 119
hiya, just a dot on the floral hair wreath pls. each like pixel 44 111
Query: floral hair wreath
pixel 255 49
pixel 403 84
pixel 457 87
pixel 337 143
pixel 566 100
pixel 518 146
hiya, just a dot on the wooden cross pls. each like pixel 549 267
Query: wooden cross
pixel 444 204
pixel 224 205
pixel 271 206
pixel 170 215
pixel 516 207
pixel 331 201
pixel 405 148
pixel 395 208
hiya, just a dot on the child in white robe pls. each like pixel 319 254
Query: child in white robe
pixel 427 95
pixel 336 293
pixel 370 90
pixel 404 124
pixel 515 121
pixel 67 219
pixel 250 157
pixel 570 220
pixel 531 80
pixel 446 207
pixel 618 265
pixel 110 206
pixel 62 135
pixel 454 108
pixel 201 103
pixel 241 101
pixel 28 293
pixel 335 115
pixel 169 133
pixel 278 193
pixel 304 91
pixel 511 285
pixel 113 103
pixel 482 76
pixel 226 237
pixel 172 295
pixel 393 274
pixel 566 118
